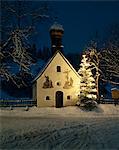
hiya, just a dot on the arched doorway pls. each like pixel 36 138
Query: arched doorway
pixel 59 99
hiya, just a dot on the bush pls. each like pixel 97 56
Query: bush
pixel 86 103
pixel 89 105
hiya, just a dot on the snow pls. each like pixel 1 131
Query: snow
pixel 56 26
pixel 70 111
pixel 67 128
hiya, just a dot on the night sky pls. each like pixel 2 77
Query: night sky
pixel 81 21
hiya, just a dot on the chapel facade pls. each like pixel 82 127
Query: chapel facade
pixel 57 84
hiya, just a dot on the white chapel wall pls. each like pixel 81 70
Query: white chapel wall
pixel 55 77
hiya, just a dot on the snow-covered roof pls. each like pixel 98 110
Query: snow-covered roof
pixel 56 26
pixel 114 89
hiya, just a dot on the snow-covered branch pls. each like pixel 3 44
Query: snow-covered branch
pixel 19 53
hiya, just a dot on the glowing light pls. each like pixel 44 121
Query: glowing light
pixel 87 83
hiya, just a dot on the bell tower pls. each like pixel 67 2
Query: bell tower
pixel 56 33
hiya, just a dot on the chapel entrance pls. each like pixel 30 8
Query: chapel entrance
pixel 59 99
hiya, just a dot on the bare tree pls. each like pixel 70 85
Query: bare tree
pixel 110 55
pixel 110 64
pixel 15 42
pixel 94 59
pixel 105 61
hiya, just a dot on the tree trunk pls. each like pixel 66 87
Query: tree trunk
pixel 97 82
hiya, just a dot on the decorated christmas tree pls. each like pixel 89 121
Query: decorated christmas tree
pixel 87 84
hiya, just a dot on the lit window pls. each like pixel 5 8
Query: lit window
pixel 68 97
pixel 58 69
pixel 47 98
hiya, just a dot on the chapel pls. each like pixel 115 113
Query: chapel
pixel 57 83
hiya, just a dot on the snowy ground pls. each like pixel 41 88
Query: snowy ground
pixel 60 129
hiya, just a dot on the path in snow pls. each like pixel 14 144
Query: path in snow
pixel 59 133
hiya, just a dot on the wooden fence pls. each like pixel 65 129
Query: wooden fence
pixel 18 103
pixel 21 102
pixel 109 101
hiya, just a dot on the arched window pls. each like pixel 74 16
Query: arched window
pixel 47 98
pixel 58 68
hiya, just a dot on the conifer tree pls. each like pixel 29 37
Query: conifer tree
pixel 87 84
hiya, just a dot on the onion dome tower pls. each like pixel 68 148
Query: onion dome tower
pixel 56 33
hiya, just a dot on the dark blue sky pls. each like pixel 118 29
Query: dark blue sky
pixel 80 20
